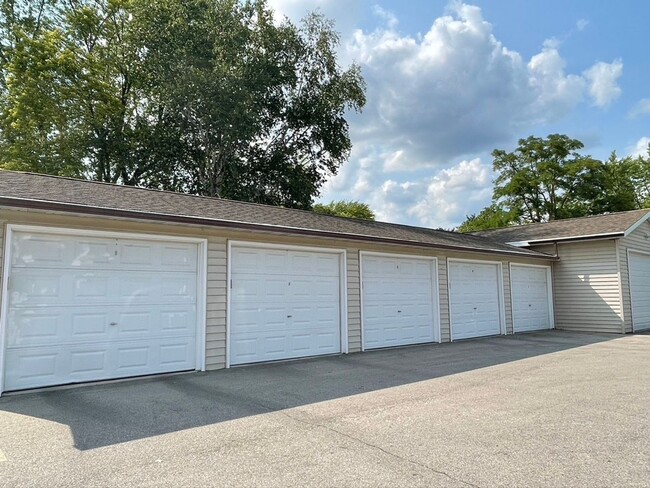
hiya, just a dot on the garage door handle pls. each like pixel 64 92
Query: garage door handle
pixel 399 311
pixel 289 316
pixel 113 323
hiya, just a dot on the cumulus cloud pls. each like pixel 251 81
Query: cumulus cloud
pixel 442 200
pixel 640 148
pixel 603 82
pixel 457 90
pixel 449 94
pixel 642 107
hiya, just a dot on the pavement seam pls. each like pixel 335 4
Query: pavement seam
pixel 379 448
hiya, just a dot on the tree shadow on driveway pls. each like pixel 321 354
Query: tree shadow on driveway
pixel 110 413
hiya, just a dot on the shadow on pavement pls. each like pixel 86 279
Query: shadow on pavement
pixel 106 414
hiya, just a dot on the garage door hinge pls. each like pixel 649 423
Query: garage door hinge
pixel 231 283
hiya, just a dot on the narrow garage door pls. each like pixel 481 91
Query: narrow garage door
pixel 94 308
pixel 474 299
pixel 397 301
pixel 639 265
pixel 284 304
pixel 530 298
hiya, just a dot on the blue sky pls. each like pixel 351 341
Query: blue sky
pixel 448 82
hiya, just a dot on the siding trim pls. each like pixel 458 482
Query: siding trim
pixel 435 290
pixel 343 291
pixel 4 295
pixel 629 277
pixel 620 282
pixel 500 292
pixel 549 293
pixel 201 276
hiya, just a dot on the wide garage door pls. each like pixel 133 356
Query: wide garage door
pixel 474 299
pixel 398 305
pixel 639 265
pixel 530 298
pixel 94 308
pixel 285 303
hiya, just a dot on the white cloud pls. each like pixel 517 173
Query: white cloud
pixel 640 148
pixel 442 200
pixel 603 82
pixel 642 107
pixel 448 95
pixel 457 90
pixel 582 24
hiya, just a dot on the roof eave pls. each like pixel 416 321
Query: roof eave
pixel 593 237
pixel 636 224
pixel 31 204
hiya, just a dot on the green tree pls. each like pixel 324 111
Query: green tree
pixel 544 179
pixel 548 179
pixel 491 217
pixel 204 96
pixel 346 208
pixel 615 186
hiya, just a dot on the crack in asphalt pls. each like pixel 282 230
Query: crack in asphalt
pixel 379 448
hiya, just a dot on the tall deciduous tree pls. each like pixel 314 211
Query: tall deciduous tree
pixel 212 97
pixel 346 208
pixel 548 179
pixel 544 179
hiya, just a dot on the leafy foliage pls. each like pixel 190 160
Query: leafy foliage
pixel 211 97
pixel 548 179
pixel 491 217
pixel 346 208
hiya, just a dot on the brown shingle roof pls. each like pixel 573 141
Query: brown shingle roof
pixel 613 224
pixel 28 190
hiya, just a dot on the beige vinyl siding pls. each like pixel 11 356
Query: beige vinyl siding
pixel 354 301
pixel 507 296
pixel 635 241
pixel 586 287
pixel 218 239
pixel 443 294
pixel 215 326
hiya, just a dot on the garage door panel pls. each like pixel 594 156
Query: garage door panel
pixel 253 288
pixel 36 287
pixel 639 265
pixel 474 299
pixel 530 298
pixel 77 312
pixel 65 326
pixel 284 304
pixel 397 301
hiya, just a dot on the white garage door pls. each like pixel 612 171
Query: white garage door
pixel 530 298
pixel 474 299
pixel 94 308
pixel 284 304
pixel 397 301
pixel 639 265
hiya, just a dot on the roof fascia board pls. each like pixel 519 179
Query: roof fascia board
pixel 571 240
pixel 182 219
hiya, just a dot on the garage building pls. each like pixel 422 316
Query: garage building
pixel 601 281
pixel 104 281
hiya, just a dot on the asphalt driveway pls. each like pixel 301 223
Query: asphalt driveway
pixel 547 409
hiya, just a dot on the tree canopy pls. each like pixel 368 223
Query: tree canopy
pixel 346 208
pixel 212 97
pixel 547 179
